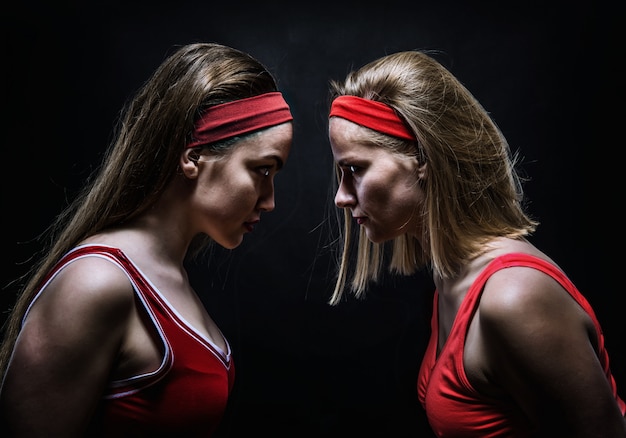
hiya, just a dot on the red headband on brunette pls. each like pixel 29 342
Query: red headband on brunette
pixel 371 114
pixel 240 117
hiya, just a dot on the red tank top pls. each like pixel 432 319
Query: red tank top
pixel 187 394
pixel 454 408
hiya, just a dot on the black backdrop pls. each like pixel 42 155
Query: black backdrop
pixel 304 368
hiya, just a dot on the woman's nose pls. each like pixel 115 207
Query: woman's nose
pixel 344 198
pixel 266 200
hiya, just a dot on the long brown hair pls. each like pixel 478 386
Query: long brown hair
pixel 142 159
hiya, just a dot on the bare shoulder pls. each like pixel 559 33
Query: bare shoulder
pixel 509 288
pixel 90 291
pixel 516 298
pixel 68 345
pixel 75 327
pixel 527 320
pixel 539 346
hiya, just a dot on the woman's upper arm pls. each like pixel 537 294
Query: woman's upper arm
pixel 66 348
pixel 541 347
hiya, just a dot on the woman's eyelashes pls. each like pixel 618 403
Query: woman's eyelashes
pixel 265 170
pixel 351 169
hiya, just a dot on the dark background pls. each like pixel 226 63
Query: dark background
pixel 544 71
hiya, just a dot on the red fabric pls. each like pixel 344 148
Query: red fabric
pixel 453 407
pixel 187 395
pixel 371 114
pixel 239 117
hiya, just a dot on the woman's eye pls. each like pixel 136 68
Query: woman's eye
pixel 349 169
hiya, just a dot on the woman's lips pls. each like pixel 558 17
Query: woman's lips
pixel 250 225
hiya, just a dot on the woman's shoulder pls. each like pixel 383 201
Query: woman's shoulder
pixel 524 290
pixel 91 286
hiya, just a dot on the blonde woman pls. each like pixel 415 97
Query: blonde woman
pixel 430 182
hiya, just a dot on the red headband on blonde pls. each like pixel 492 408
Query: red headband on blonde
pixel 239 117
pixel 371 114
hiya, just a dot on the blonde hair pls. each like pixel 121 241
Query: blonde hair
pixel 473 192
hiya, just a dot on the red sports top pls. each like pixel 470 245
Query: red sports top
pixel 187 394
pixel 454 408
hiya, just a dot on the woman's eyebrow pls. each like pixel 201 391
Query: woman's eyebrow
pixel 279 161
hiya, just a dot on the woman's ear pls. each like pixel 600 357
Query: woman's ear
pixel 189 163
